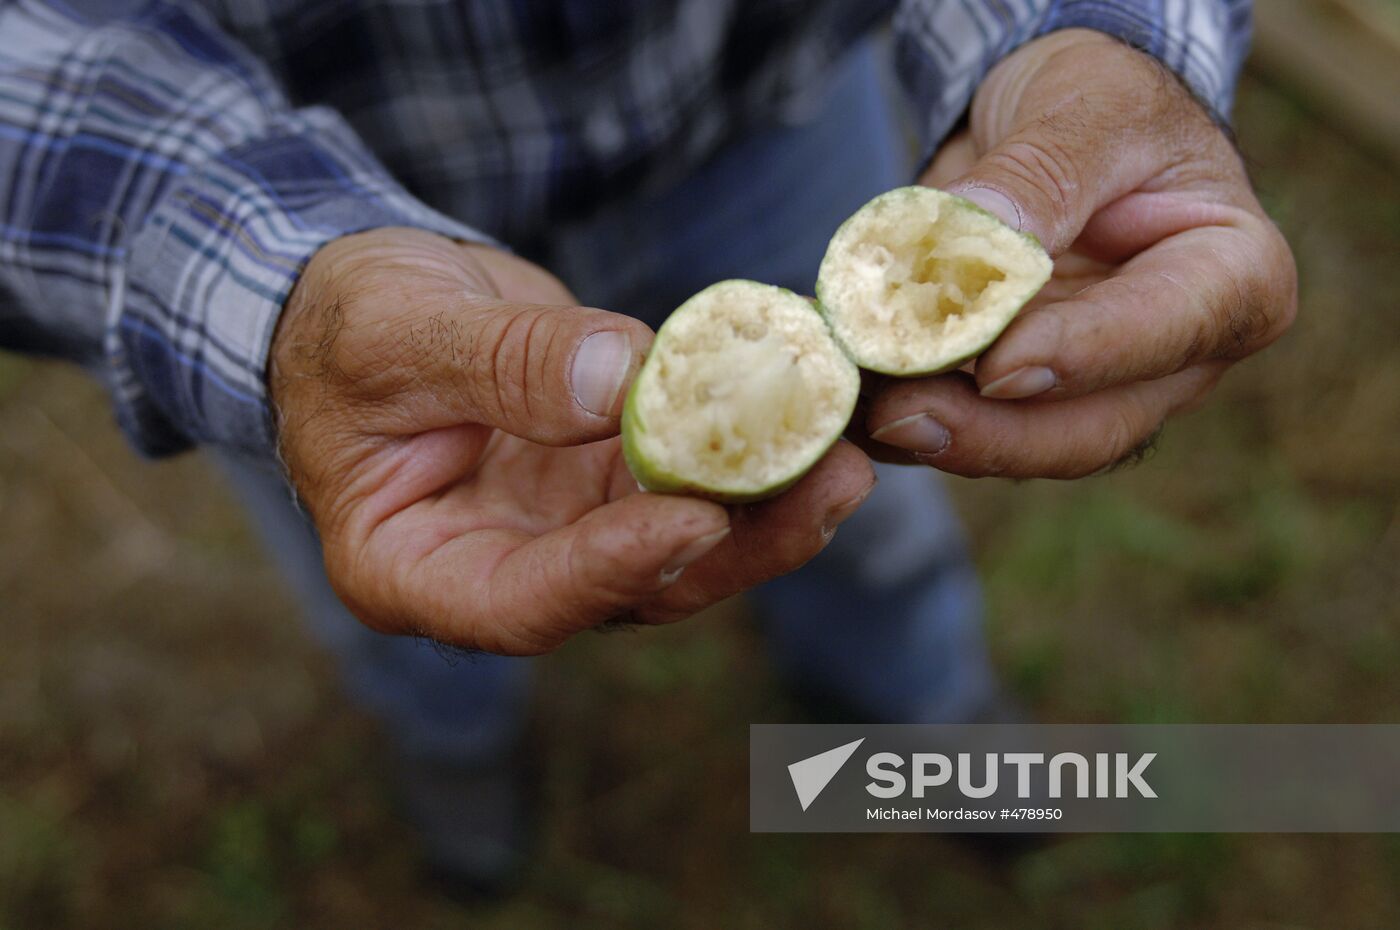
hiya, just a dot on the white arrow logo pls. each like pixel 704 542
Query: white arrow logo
pixel 811 776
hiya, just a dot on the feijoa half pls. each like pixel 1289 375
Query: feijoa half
pixel 919 281
pixel 743 390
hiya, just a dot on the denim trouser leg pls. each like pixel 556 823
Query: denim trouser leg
pixel 452 707
pixel 887 620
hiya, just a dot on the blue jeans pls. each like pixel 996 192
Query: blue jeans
pixel 886 620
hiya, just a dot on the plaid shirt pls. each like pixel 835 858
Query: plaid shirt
pixel 168 166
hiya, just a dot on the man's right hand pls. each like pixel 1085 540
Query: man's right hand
pixel 449 417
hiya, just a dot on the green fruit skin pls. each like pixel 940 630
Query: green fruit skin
pixel 955 364
pixel 660 481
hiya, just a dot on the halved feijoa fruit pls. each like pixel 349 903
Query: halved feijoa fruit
pixel 919 281
pixel 742 392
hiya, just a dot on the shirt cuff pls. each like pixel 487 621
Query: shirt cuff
pixel 190 326
pixel 945 49
pixel 1203 41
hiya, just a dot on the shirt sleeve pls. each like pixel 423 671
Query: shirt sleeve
pixel 946 47
pixel 158 199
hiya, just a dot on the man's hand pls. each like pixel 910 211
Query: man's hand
pixel 449 419
pixel 1166 269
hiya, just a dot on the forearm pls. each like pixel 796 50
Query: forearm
pixel 158 200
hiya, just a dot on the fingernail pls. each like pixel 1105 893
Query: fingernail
pixel 601 365
pixel 690 554
pixel 995 203
pixel 841 512
pixel 1021 383
pixel 919 433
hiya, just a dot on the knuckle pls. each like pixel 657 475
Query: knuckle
pixel 1285 281
pixel 595 575
pixel 802 548
pixel 607 566
pixel 1124 439
pixel 1041 163
pixel 536 616
pixel 501 621
pixel 999 455
pixel 1138 453
pixel 1202 338
pixel 1126 430
pixel 773 547
pixel 1089 341
pixel 1202 381
pixel 504 375
pixel 379 590
pixel 640 333
pixel 1258 304
pixel 484 357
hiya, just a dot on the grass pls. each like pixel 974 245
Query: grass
pixel 174 752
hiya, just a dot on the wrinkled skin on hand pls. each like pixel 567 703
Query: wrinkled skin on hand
pixel 454 439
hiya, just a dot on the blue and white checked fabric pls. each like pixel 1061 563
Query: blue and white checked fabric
pixel 167 167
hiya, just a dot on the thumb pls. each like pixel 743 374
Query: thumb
pixel 555 375
pixel 550 374
pixel 1063 129
pixel 410 332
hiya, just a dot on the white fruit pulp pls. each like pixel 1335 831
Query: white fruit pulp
pixel 747 386
pixel 917 279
